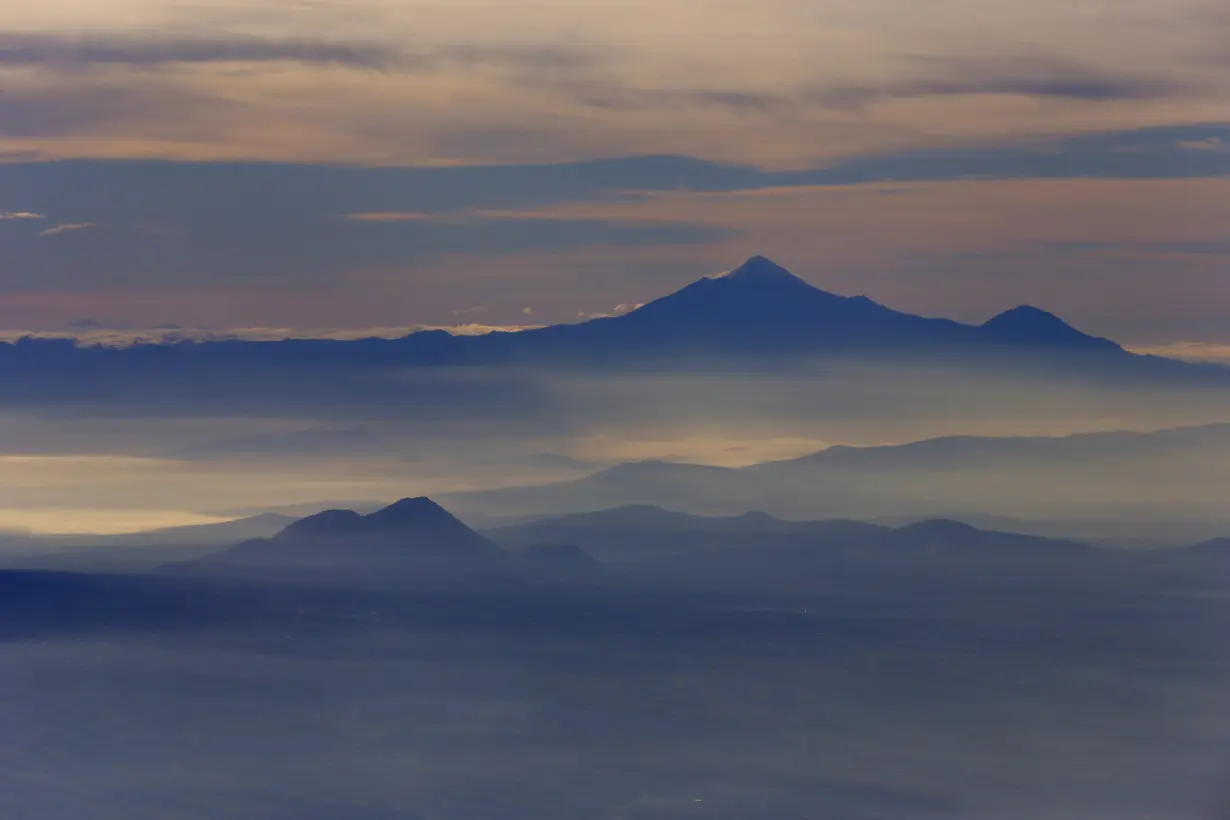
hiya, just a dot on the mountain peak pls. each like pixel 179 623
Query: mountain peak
pixel 409 510
pixel 760 270
pixel 326 523
pixel 411 534
pixel 939 527
pixel 405 516
pixel 761 312
pixel 756 517
pixel 1026 324
pixel 758 308
pixel 1025 314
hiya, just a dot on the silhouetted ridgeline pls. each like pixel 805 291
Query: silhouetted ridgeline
pixel 757 314
pixel 1093 476
pixel 414 540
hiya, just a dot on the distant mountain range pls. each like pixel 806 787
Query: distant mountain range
pixel 645 532
pixel 417 539
pixel 757 314
pixel 417 542
pixel 641 533
pixel 223 532
pixel 134 551
pixel 1215 549
pixel 1162 488
pixel 1176 477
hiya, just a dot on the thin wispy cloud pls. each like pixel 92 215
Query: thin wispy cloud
pixel 617 310
pixel 1022 76
pixel 392 216
pixel 53 51
pixel 1129 249
pixel 14 215
pixel 61 51
pixel 1207 144
pixel 1187 351
pixel 116 336
pixel 68 227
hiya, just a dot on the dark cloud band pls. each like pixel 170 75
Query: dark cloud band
pixel 58 51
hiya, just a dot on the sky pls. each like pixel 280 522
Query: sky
pixel 306 166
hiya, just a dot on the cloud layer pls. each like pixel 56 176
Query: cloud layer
pixel 782 82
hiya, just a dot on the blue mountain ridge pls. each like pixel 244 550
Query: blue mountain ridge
pixel 759 309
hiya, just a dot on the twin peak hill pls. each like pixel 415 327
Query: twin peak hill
pixel 414 536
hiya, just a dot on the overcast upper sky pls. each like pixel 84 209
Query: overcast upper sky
pixel 317 164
